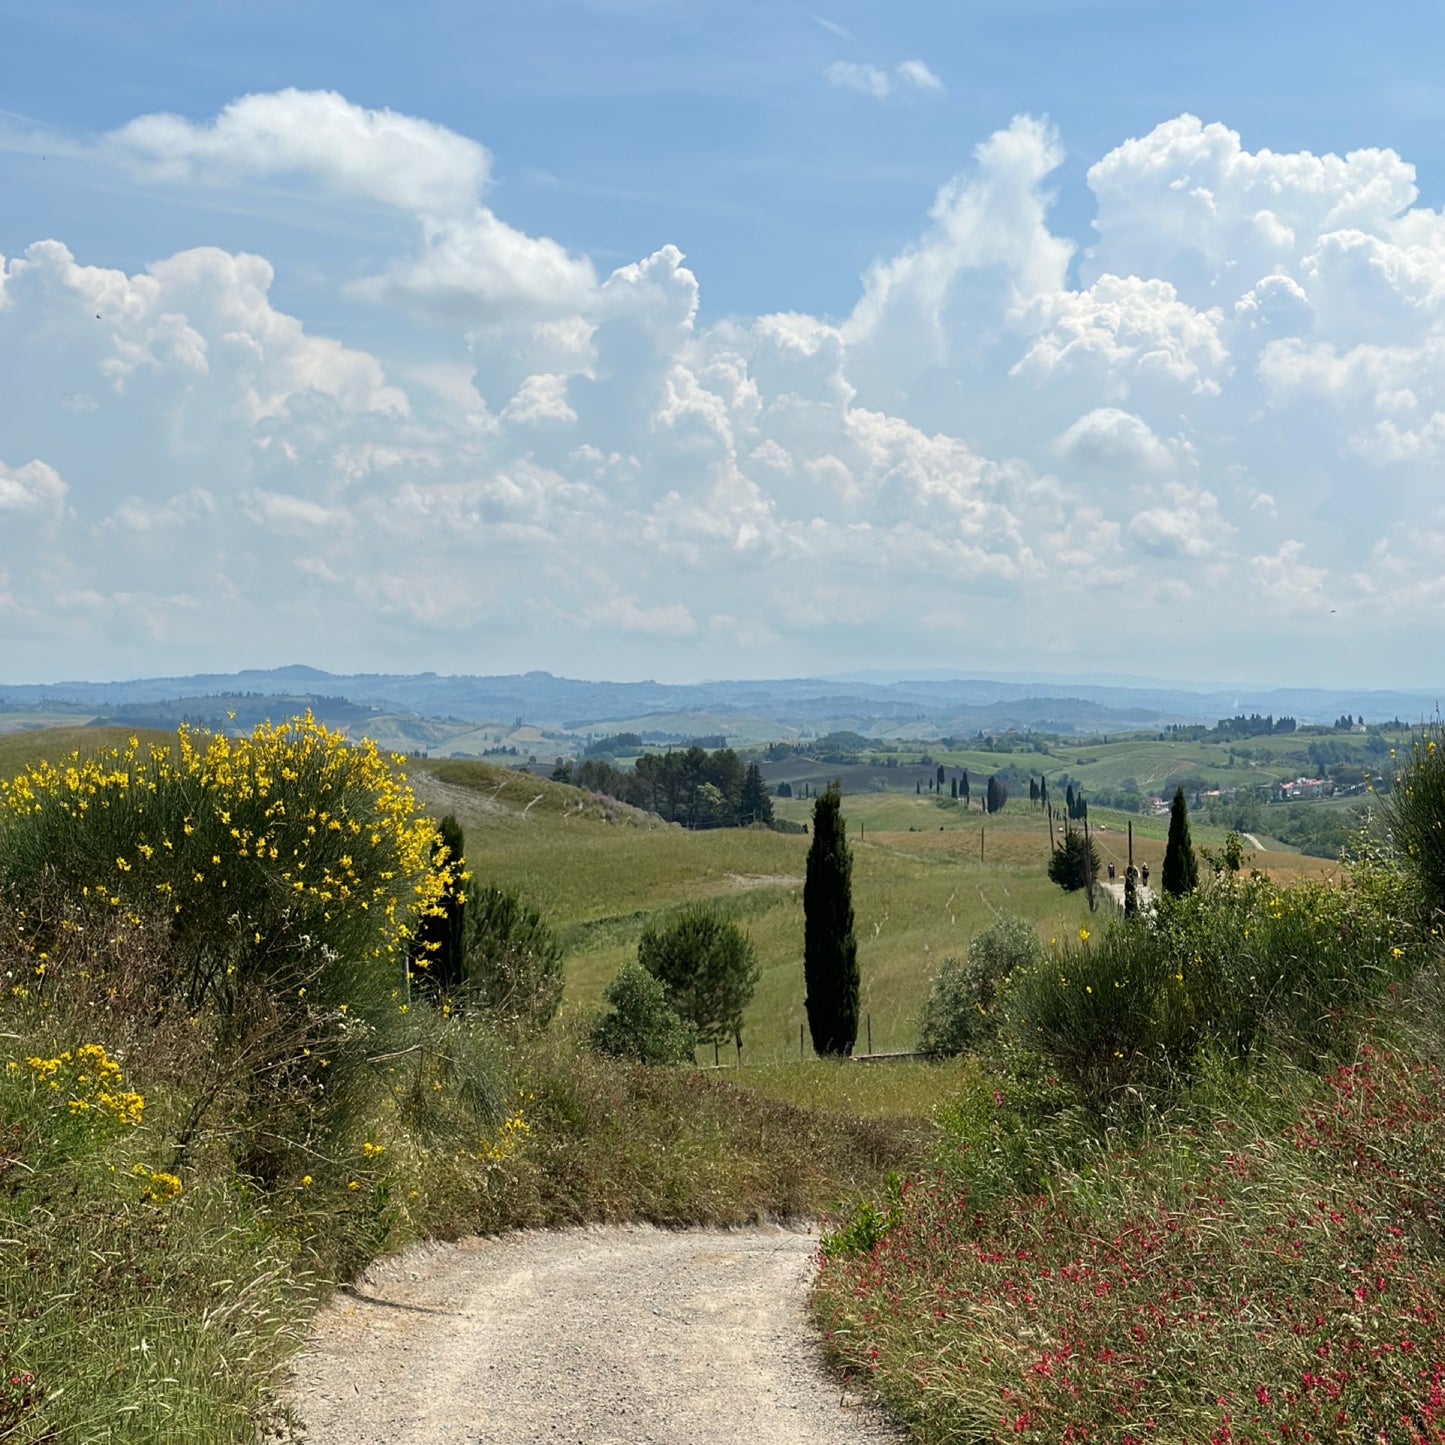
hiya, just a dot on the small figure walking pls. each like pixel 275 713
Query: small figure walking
pixel 1145 875
pixel 1111 872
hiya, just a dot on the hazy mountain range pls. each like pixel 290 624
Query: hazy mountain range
pixel 879 703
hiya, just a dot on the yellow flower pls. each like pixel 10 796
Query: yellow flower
pixel 1083 934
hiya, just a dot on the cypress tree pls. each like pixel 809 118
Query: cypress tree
pixel 1180 874
pixel 1074 862
pixel 963 787
pixel 1069 801
pixel 995 795
pixel 953 787
pixel 830 952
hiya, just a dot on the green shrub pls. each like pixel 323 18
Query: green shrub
pixel 272 884
pixel 960 1013
pixel 1093 1009
pixel 708 968
pixel 288 858
pixel 1251 964
pixel 1238 967
pixel 513 959
pixel 1414 813
pixel 1005 1131
pixel 638 1024
pixel 867 1225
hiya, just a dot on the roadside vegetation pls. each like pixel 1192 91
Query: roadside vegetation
pixel 1192 1191
pixel 275 1004
pixel 229 1077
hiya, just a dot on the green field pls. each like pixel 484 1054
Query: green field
pixel 920 887
pixel 927 876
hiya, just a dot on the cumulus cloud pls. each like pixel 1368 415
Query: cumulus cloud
pixel 542 398
pixel 469 262
pixel 34 490
pixel 1002 434
pixel 986 257
pixel 376 155
pixel 1122 328
pixel 1187 524
pixel 1108 438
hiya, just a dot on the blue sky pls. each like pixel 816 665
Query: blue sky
pixel 687 340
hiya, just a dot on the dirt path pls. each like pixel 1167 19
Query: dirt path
pixel 617 1336
pixel 1115 889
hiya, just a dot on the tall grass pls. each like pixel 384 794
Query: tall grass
pixel 1228 1277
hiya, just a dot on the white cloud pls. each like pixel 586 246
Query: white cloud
pixel 34 489
pixel 865 79
pixel 1123 328
pixel 469 263
pixel 182 510
pixel 1108 437
pixel 199 317
pixel 1188 525
pixel 918 75
pixel 1283 579
pixel 628 615
pixel 297 515
pixel 833 28
pixel 542 398
pixel 375 155
pixel 985 446
pixel 985 259
pixel 1189 203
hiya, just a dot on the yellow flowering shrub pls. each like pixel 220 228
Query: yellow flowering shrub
pixel 67 1104
pixel 159 1186
pixel 86 1081
pixel 510 1136
pixel 287 855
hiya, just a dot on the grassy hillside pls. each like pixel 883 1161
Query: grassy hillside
pixel 600 872
pixel 20 748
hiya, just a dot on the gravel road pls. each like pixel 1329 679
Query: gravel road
pixel 606 1336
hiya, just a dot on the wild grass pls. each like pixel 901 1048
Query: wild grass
pixel 1261 1266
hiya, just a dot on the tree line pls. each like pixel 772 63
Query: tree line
pixel 691 786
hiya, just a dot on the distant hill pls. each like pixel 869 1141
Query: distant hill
pixel 918 707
